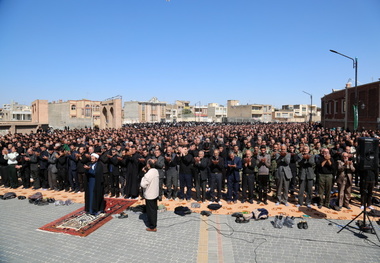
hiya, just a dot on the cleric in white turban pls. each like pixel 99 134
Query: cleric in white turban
pixel 94 194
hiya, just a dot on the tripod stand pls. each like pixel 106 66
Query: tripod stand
pixel 363 226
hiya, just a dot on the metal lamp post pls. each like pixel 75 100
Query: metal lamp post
pixel 311 106
pixel 355 106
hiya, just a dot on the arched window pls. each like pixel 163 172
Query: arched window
pixel 73 107
pixel 87 111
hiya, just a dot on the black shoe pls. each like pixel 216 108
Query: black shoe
pixel 122 215
pixel 250 201
pixel 304 225
pixel 265 202
pixel 347 207
pixel 243 201
pixel 258 202
pixel 300 225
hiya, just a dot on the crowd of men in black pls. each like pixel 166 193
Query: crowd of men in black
pixel 250 160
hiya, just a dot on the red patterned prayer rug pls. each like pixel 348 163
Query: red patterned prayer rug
pixel 78 223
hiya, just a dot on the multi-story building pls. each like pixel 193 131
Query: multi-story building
pixel 200 113
pixel 15 112
pixel 74 114
pixel 337 107
pixel 297 113
pixel 179 111
pixel 24 119
pixel 216 112
pixel 144 111
pixel 249 112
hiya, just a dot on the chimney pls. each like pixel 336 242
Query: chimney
pixel 348 85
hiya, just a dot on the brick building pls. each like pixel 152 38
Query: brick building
pixel 337 107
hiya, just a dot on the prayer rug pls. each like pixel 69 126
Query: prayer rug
pixel 79 223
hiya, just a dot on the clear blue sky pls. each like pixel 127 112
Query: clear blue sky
pixel 254 51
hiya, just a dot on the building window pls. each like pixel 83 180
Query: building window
pixel 97 108
pixel 335 107
pixel 73 107
pixel 343 106
pixel 330 107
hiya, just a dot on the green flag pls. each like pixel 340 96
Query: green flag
pixel 356 119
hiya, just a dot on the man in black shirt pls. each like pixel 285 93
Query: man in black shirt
pixel 185 173
pixel 326 170
pixel 248 177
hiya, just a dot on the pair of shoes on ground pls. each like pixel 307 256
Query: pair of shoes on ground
pixel 302 225
pixel 327 206
pixel 122 215
pixel 280 221
pixel 370 207
pixel 308 206
pixel 340 207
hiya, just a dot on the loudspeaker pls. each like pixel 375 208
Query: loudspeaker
pixel 368 153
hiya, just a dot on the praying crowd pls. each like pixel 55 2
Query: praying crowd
pixel 205 162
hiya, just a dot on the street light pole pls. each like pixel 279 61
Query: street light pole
pixel 311 105
pixel 356 102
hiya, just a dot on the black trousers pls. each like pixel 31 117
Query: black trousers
pixel 113 180
pixel 25 176
pixel 216 181
pixel 12 172
pixel 82 178
pixel 263 186
pixel 44 178
pixel 4 174
pixel 151 212
pixel 248 183
pixel 200 188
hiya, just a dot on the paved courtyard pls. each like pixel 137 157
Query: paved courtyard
pixel 192 238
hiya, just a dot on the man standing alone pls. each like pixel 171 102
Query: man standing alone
pixel 150 184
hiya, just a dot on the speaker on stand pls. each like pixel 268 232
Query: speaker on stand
pixel 367 154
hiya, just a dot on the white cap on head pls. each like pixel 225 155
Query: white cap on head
pixel 95 155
